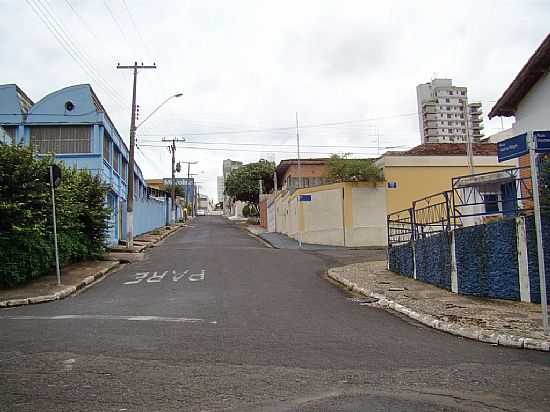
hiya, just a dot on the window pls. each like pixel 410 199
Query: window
pixel 451 92
pixel 463 93
pixel 447 100
pixel 124 173
pixel 448 108
pixel 106 149
pixel 60 139
pixel 9 132
pixel 491 203
pixel 116 159
pixel 448 116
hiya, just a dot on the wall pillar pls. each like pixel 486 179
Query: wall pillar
pixel 523 262
pixel 454 271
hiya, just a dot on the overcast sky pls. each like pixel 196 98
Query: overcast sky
pixel 249 65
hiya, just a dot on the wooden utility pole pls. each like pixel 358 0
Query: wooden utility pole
pixel 130 201
pixel 172 149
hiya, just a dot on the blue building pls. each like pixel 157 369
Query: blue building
pixel 73 125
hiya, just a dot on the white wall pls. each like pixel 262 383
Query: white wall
pixel 533 112
pixel 323 218
pixel 369 217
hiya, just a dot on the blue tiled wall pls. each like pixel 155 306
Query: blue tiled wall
pixel 433 260
pixel 486 260
pixel 532 256
pixel 400 259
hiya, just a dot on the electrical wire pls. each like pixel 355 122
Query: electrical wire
pixel 278 145
pixel 64 40
pixel 285 128
pixel 255 151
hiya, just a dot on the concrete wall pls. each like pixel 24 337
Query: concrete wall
pixel 339 214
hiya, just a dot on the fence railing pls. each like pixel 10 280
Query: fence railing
pixel 473 199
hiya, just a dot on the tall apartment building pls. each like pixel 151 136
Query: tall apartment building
pixel 444 113
pixel 228 166
pixel 221 188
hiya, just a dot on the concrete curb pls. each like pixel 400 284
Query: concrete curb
pixel 67 291
pixel 261 239
pixel 474 333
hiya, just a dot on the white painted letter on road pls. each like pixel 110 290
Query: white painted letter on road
pixel 139 278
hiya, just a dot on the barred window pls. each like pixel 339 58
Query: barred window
pixel 61 139
pixel 116 159
pixel 106 152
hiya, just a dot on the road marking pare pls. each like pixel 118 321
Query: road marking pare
pixel 157 277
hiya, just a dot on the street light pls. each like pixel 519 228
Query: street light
pixel 130 200
pixel 158 107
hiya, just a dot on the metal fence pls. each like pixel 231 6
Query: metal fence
pixel 473 199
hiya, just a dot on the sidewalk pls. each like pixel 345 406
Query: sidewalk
pixel 282 241
pixel 502 322
pixel 79 275
pixel 45 289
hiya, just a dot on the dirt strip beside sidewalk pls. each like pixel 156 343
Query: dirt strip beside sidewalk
pixel 507 323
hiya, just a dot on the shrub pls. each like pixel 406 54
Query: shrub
pixel 26 227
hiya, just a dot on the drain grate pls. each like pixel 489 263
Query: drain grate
pixel 363 300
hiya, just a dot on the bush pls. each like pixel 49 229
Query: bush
pixel 26 227
pixel 249 210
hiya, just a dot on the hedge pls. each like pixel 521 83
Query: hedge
pixel 26 227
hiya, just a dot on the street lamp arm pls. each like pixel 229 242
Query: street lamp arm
pixel 158 107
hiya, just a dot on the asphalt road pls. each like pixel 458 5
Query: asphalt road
pixel 214 320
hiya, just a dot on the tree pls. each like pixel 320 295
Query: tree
pixel 342 169
pixel 243 183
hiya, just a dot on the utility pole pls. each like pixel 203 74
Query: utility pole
pixel 172 149
pixel 300 180
pixel 469 148
pixel 130 201
pixel 187 185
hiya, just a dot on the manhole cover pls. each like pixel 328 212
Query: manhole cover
pixel 363 300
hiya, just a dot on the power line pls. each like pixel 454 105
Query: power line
pixel 253 151
pixel 144 43
pixel 64 40
pixel 279 145
pixel 117 24
pixel 285 128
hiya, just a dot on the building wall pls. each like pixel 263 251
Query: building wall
pixel 532 111
pixel 341 214
pixel 421 176
pixel 307 171
pixel 104 154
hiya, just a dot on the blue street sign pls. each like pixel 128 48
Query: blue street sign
pixel 513 147
pixel 542 141
pixel 305 198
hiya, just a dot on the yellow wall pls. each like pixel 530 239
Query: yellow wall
pixel 416 182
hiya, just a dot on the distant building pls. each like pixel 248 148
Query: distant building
pixel 444 113
pixel 187 185
pixel 221 188
pixel 228 166
pixel 313 172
